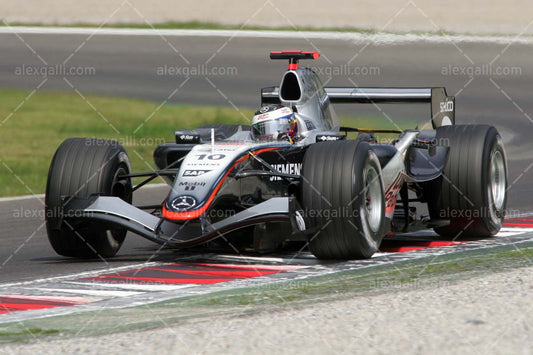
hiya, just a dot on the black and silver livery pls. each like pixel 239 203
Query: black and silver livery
pixel 311 184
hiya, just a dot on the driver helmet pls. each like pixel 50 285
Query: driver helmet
pixel 274 122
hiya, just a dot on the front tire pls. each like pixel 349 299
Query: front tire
pixel 342 196
pixel 82 167
pixel 472 192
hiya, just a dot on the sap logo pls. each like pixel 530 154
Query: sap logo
pixel 446 106
pixel 194 173
pixel 287 168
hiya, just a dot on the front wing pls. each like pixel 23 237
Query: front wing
pixel 112 212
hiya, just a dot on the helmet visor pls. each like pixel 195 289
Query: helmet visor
pixel 271 130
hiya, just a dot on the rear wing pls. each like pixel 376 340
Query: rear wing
pixel 442 105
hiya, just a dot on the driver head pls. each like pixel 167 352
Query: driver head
pixel 273 123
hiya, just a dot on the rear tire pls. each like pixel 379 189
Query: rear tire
pixel 342 196
pixel 471 194
pixel 82 167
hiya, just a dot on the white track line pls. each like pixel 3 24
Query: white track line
pixel 19 198
pixel 132 287
pixel 510 234
pixel 516 230
pixel 251 267
pixel 48 298
pixel 376 38
pixel 81 274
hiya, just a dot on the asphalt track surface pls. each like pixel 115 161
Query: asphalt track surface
pixel 128 66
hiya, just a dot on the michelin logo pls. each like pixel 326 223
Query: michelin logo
pixel 287 168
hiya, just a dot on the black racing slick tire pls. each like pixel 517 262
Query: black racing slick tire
pixel 82 167
pixel 471 193
pixel 343 199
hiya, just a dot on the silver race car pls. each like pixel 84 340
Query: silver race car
pixel 292 176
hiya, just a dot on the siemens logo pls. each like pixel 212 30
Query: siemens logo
pixel 287 168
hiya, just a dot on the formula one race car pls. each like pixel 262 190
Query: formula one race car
pixel 292 176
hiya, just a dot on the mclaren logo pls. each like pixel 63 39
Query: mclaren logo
pixel 183 203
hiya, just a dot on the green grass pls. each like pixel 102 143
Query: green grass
pixel 30 134
pixel 25 334
pixel 200 25
pixel 33 126
pixel 197 25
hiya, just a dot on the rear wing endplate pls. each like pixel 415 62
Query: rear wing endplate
pixel 442 105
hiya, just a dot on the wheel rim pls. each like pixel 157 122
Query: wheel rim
pixel 497 180
pixel 372 198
